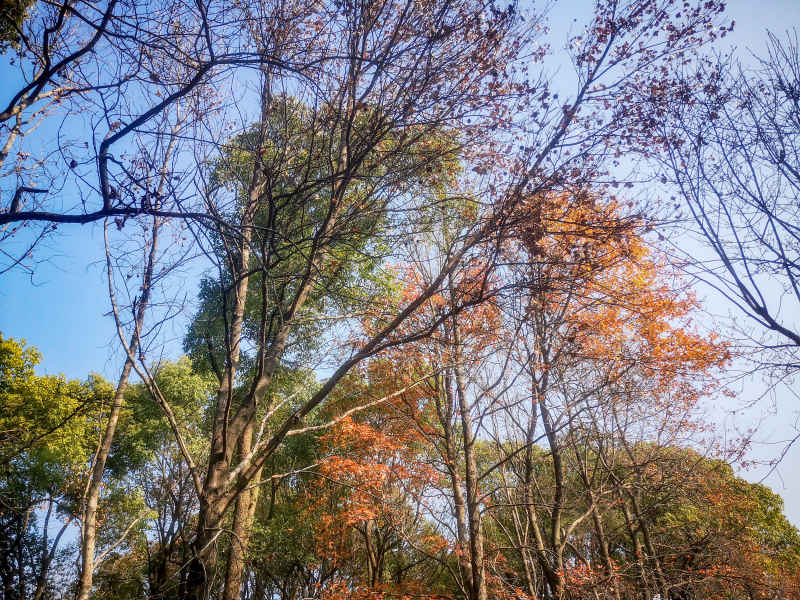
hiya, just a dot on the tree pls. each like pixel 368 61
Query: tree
pixel 602 339
pixel 447 384
pixel 48 427
pixel 145 450
pixel 732 151
pixel 324 178
pixel 374 482
pixel 719 534
pixel 695 531
pixel 375 128
pixel 147 279
pixel 367 114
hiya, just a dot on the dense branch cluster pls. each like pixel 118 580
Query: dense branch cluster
pixel 433 351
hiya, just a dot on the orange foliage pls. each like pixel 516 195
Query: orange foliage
pixel 620 310
pixel 371 476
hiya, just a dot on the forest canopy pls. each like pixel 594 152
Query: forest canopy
pixel 391 316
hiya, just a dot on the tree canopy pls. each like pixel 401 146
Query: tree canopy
pixel 388 319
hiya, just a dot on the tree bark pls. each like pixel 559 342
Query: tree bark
pixel 92 494
pixel 455 484
pixel 476 549
pixel 243 516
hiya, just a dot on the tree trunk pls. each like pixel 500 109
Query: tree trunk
pixel 557 547
pixel 476 549
pixel 92 494
pixel 243 516
pixel 455 484
pixel 213 502
pixel 203 565
pixel 89 530
pixel 603 545
pixel 646 592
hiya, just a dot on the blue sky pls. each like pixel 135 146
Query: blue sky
pixel 60 309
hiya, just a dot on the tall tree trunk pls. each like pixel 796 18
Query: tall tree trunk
pixel 204 548
pixel 445 417
pixel 243 516
pixel 213 502
pixel 217 494
pixel 543 555
pixel 92 493
pixel 556 545
pixel 89 529
pixel 157 578
pixel 476 549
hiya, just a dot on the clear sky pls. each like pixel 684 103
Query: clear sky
pixel 61 308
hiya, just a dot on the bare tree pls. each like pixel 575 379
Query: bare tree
pixel 733 151
pixel 145 267
pixel 92 81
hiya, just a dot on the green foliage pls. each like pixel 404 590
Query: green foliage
pixel 716 535
pixel 48 424
pixel 12 15
pixel 293 148
pixel 143 430
pixel 49 427
pixel 720 511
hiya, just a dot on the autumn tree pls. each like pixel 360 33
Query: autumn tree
pixel 715 533
pixel 604 346
pixel 312 178
pixel 445 398
pixel 375 478
pixel 321 178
